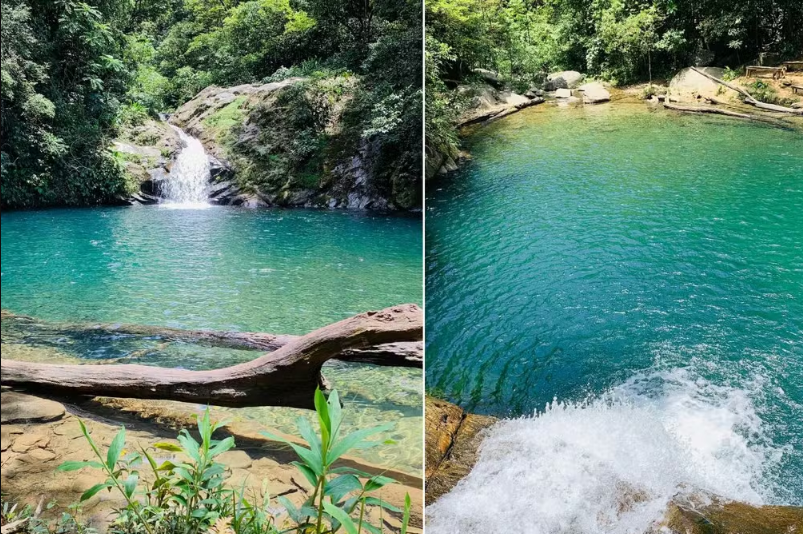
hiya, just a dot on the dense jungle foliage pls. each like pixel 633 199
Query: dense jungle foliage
pixel 75 72
pixel 623 41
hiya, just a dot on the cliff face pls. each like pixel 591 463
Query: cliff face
pixel 290 143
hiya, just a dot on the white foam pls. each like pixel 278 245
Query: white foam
pixel 187 185
pixel 612 464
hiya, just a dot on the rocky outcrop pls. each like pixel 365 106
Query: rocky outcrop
pixel 487 104
pixel 262 138
pixel 488 76
pixel 147 151
pixel 567 79
pixel 453 438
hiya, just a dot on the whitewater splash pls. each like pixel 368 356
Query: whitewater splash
pixel 612 465
pixel 187 186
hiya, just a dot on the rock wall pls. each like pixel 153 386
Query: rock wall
pixel 282 144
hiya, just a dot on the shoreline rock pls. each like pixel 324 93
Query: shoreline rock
pixel 453 438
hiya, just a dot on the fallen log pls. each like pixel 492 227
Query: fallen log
pixel 396 354
pixel 748 98
pixel 717 111
pixel 285 377
pixel 705 109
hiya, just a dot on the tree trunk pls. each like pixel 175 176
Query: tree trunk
pixel 408 354
pixel 717 111
pixel 286 377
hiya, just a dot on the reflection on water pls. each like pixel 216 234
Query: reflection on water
pixel 371 395
pixel 274 271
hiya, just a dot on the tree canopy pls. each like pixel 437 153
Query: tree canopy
pixel 74 72
pixel 623 41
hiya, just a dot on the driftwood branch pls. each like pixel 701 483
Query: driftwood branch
pixel 286 377
pixel 409 354
pixel 748 98
pixel 706 109
pixel 717 111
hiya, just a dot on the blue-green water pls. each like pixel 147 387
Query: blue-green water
pixel 619 258
pixel 218 268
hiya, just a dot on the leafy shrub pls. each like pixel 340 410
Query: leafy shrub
pixel 765 92
pixel 731 74
pixel 192 496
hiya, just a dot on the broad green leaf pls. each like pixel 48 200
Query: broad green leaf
pixel 75 465
pixel 306 431
pixel 130 483
pixel 384 504
pixel 307 472
pixel 355 440
pixel 349 470
pixel 113 454
pixel 167 465
pixel 221 447
pixel 88 494
pixel 292 511
pixel 335 413
pixel 305 454
pixel 322 408
pixel 190 446
pixel 341 516
pixel 370 528
pixel 374 483
pixel 406 517
pixel 339 487
pixel 165 446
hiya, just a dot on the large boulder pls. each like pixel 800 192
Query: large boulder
pixel 689 84
pixel 594 93
pixel 488 76
pixel 567 79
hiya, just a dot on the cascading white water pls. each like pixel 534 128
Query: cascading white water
pixel 188 182
pixel 611 465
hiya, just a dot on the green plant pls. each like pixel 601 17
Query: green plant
pixel 731 74
pixel 339 493
pixel 192 496
pixel 66 523
pixel 765 92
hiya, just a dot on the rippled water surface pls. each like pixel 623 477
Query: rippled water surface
pixel 586 249
pixel 219 268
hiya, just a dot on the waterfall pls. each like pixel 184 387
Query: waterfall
pixel 188 182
